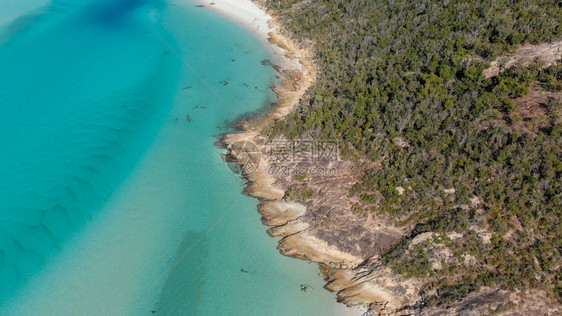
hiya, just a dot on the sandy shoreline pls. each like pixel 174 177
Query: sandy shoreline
pixel 358 279
pixel 250 16
pixel 299 73
pixel 293 62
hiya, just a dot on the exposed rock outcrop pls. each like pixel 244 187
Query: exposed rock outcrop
pixel 548 54
pixel 337 246
pixel 307 203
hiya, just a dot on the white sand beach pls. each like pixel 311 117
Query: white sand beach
pixel 257 21
pixel 250 16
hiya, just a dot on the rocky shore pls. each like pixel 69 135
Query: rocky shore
pixel 342 244
pixel 306 203
pixel 342 259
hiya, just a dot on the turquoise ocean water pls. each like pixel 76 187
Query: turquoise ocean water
pixel 113 198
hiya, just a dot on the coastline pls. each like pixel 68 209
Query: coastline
pixel 293 62
pixel 298 73
pixel 348 251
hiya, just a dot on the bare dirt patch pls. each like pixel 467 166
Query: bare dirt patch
pixel 548 54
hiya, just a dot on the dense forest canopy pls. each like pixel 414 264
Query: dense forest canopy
pixel 401 83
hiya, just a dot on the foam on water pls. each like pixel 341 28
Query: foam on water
pixel 114 200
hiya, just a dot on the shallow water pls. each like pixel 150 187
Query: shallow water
pixel 11 10
pixel 114 200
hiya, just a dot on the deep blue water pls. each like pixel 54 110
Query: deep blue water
pixel 113 198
